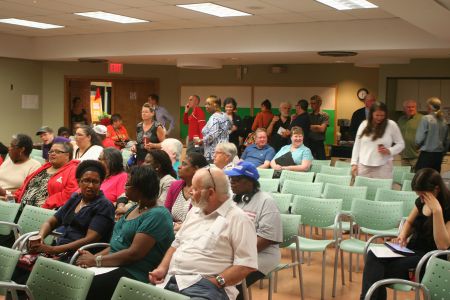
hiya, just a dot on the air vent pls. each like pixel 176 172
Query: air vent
pixel 199 63
pixel 337 53
pixel 93 60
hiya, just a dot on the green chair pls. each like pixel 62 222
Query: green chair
pixel 406 186
pixel 342 164
pixel 344 192
pixel 343 180
pixel 335 171
pixel 311 189
pixel 316 165
pixel 132 289
pixel 321 213
pixel 8 212
pixel 372 185
pixel 52 279
pixel 283 202
pixel 373 217
pixel 407 176
pixel 269 185
pixel 265 173
pixel 398 172
pixel 407 198
pixel 434 284
pixel 8 262
pixel 125 156
pixel 297 176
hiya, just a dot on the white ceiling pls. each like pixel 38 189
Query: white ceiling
pixel 278 32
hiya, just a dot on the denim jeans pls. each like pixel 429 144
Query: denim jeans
pixel 204 289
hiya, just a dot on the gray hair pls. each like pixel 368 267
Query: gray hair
pixel 175 145
pixel 214 177
pixel 229 149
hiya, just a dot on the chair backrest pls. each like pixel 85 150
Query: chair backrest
pixel 8 212
pixel 316 164
pixel 317 212
pixel 269 185
pixel 372 185
pixel 297 176
pixel 125 156
pixel 336 179
pixel 52 279
pixel 8 262
pixel 283 202
pixel 311 189
pixel 407 176
pixel 291 224
pixel 265 173
pixel 344 192
pixel 36 153
pixel 342 164
pixel 132 289
pixel 436 278
pixel 335 171
pixel 407 198
pixel 398 172
pixel 406 186
pixel 377 215
pixel 32 218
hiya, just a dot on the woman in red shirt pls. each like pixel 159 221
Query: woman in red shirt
pixel 263 118
pixel 195 121
pixel 117 132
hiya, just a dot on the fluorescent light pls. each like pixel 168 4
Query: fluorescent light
pixel 110 17
pixel 27 23
pixel 214 9
pixel 348 4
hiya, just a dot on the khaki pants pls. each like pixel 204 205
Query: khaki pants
pixel 383 172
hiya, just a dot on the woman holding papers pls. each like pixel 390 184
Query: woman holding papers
pixel 427 228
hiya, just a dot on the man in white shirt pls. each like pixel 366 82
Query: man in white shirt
pixel 225 155
pixel 215 249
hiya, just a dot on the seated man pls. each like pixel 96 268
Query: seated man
pixel 215 248
pixel 263 211
pixel 48 138
pixel 224 155
pixel 260 153
pixel 173 148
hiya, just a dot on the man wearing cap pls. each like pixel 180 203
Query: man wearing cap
pixel 262 210
pixel 48 138
pixel 101 132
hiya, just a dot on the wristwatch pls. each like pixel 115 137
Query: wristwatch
pixel 98 260
pixel 220 280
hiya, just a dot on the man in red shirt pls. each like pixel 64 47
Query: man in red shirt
pixel 195 121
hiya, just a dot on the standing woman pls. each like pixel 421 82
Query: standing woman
pixel 279 138
pixel 216 129
pixel 230 106
pixel 431 137
pixel 88 144
pixel 263 118
pixel 378 139
pixel 149 133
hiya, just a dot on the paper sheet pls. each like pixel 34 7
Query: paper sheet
pixel 384 252
pixel 281 130
pixel 99 271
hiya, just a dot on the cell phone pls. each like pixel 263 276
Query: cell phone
pixel 399 249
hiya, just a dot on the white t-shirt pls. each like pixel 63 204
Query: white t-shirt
pixel 13 175
pixel 92 153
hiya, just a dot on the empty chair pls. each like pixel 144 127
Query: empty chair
pixel 269 185
pixel 311 189
pixel 283 202
pixel 265 173
pixel 335 171
pixel 346 193
pixel 398 172
pixel 8 261
pixel 316 164
pixel 336 179
pixel 408 198
pixel 8 212
pixel 342 164
pixel 406 186
pixel 132 289
pixel 407 176
pixel 297 176
pixel 372 185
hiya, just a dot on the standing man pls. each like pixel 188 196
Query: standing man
pixel 215 249
pixel 195 121
pixel 48 138
pixel 162 115
pixel 361 114
pixel 319 123
pixel 260 153
pixel 301 120
pixel 263 211
pixel 408 123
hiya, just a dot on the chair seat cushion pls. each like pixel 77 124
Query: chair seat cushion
pixel 393 231
pixel 310 245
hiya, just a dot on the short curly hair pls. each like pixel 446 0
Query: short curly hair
pixel 93 166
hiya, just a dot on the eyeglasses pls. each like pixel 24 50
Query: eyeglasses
pixel 90 181
pixel 57 152
pixel 212 178
pixel 14 146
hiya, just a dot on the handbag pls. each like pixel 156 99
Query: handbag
pixel 284 160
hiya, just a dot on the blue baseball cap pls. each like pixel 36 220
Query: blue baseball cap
pixel 244 168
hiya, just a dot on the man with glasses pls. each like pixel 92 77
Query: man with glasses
pixel 224 155
pixel 215 248
pixel 48 139
pixel 301 119
pixel 260 153
pixel 262 210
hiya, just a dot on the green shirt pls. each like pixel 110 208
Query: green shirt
pixel 157 223
pixel 408 128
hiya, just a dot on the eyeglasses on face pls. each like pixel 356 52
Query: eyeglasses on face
pixel 87 181
pixel 56 152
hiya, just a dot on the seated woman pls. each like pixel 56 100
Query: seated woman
pixel 140 238
pixel 18 165
pixel 88 145
pixel 116 177
pixel 178 200
pixel 53 183
pixel 293 157
pixel 427 228
pixel 117 132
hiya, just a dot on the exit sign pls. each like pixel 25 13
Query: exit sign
pixel 115 68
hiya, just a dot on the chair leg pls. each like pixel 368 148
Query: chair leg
pixel 270 286
pixel 336 258
pixel 293 259
pixel 322 290
pixel 342 267
pixel 300 277
pixel 350 267
pixel 249 293
pixel 395 295
pixel 276 282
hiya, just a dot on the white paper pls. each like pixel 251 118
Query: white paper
pixel 30 101
pixel 281 130
pixel 99 271
pixel 384 252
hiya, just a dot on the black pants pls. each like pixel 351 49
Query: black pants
pixel 103 286
pixel 251 279
pixel 381 268
pixel 317 149
pixel 429 160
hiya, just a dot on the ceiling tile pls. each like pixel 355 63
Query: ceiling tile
pixel 254 7
pixel 135 3
pixel 299 6
pixel 89 5
pixel 329 15
pixel 289 18
pixel 373 13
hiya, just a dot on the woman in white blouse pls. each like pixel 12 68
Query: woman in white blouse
pixel 88 145
pixel 378 139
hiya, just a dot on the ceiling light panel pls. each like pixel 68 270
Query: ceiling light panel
pixel 348 4
pixel 214 9
pixel 27 23
pixel 110 17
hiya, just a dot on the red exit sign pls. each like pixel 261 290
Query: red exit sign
pixel 115 68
